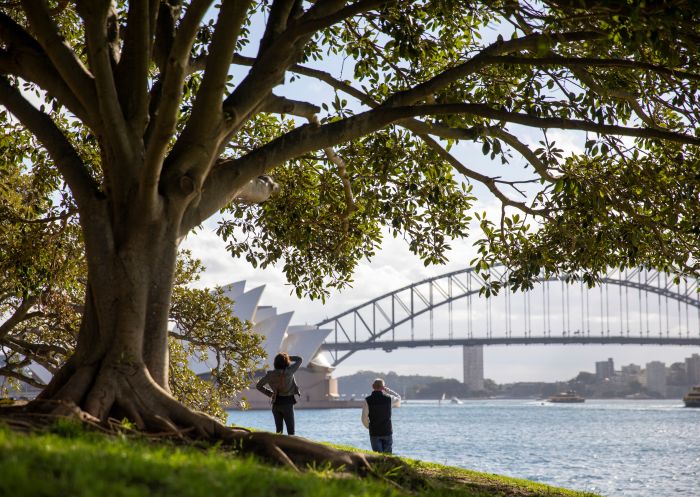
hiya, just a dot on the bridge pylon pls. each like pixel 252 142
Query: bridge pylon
pixel 473 367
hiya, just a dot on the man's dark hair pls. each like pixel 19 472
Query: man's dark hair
pixel 282 361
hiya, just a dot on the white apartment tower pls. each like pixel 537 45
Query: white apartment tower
pixel 692 366
pixel 656 377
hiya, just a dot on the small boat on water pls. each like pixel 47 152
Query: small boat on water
pixel 455 400
pixel 692 398
pixel 569 397
pixel 638 396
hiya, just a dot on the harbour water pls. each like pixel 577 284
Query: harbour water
pixel 617 448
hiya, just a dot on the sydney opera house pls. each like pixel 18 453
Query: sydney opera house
pixel 318 388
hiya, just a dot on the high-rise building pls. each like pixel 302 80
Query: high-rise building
pixel 631 369
pixel 656 377
pixel 692 368
pixel 473 363
pixel 604 369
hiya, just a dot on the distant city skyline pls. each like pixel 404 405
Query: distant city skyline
pixel 394 266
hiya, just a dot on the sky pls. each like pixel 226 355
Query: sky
pixel 393 267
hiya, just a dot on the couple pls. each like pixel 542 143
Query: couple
pixel 280 385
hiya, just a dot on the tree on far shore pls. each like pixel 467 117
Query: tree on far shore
pixel 156 115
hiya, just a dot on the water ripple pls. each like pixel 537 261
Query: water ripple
pixel 615 448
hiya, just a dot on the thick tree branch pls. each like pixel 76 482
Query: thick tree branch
pixel 132 71
pixel 270 65
pixel 168 14
pixel 66 63
pixel 229 176
pixel 205 128
pixel 277 21
pixel 67 160
pixel 47 355
pixel 483 110
pixel 115 135
pixel 282 105
pixel 36 349
pixel 318 23
pixel 24 57
pixel 19 315
pixel 529 42
pixel 163 126
pixel 13 373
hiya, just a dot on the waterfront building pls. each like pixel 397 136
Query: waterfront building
pixel 655 377
pixel 473 364
pixel 604 370
pixel 631 370
pixel 676 374
pixel 318 387
pixel 692 368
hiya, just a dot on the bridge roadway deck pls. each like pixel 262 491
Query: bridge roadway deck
pixel 529 340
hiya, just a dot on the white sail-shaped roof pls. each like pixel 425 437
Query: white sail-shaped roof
pixel 321 360
pixel 264 312
pixel 304 341
pixel 274 329
pixel 233 290
pixel 245 304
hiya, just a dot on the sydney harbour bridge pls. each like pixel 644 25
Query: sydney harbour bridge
pixel 635 306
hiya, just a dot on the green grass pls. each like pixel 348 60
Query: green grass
pixel 66 461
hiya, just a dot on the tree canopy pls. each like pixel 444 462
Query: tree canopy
pixel 313 125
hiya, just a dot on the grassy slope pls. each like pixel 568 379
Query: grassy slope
pixel 66 461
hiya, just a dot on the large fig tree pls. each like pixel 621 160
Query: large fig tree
pixel 160 114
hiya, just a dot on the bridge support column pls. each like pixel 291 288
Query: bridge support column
pixel 473 364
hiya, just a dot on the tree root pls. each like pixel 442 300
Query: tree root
pixel 168 419
pixel 128 391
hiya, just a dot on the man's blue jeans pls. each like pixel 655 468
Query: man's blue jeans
pixel 381 443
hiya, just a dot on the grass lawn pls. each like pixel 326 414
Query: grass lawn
pixel 66 461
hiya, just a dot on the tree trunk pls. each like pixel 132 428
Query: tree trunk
pixel 121 361
pixel 120 365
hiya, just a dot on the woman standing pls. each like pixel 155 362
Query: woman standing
pixel 282 390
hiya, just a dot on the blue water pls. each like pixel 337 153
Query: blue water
pixel 615 448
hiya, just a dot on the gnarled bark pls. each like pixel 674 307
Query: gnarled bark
pixel 119 369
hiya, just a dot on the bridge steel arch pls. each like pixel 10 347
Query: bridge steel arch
pixel 373 324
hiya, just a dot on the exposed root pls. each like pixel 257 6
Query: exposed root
pixel 283 458
pixel 296 453
pixel 129 392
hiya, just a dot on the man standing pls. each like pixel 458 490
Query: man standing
pixel 376 416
